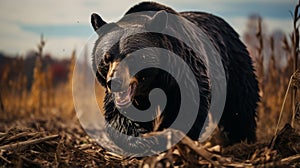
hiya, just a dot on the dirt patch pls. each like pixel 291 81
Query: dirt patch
pixel 57 142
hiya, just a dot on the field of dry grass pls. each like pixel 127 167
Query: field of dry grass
pixel 39 126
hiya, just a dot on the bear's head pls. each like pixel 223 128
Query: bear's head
pixel 116 66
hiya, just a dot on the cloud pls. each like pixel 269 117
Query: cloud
pixel 71 12
pixel 267 9
pixel 66 26
pixel 272 8
pixel 61 40
pixel 15 40
pixel 60 12
pixel 62 31
pixel 271 25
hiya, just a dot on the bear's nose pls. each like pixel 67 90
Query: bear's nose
pixel 115 84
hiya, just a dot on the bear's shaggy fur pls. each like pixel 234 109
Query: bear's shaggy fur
pixel 238 121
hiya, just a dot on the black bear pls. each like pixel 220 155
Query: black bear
pixel 124 89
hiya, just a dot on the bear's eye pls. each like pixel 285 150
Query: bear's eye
pixel 107 58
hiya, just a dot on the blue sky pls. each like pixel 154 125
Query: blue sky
pixel 65 24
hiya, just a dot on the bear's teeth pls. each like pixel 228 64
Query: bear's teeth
pixel 123 94
pixel 123 98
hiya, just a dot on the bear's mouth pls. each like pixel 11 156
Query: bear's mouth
pixel 123 99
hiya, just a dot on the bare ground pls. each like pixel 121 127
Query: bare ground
pixel 58 141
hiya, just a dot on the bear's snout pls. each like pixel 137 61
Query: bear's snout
pixel 115 84
pixel 118 78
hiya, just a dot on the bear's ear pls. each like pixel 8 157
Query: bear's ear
pixel 158 22
pixel 97 21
